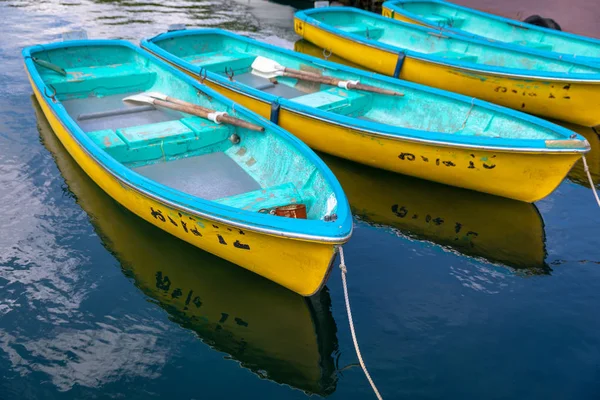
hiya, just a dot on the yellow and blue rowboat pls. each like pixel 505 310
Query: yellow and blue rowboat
pixel 272 331
pixel 212 185
pixel 427 133
pixel 527 80
pixel 473 23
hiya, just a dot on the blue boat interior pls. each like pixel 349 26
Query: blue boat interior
pixel 190 154
pixel 476 23
pixel 228 56
pixel 431 42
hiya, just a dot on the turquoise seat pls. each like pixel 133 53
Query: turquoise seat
pixel 149 142
pixel 219 60
pixel 453 55
pixel 83 80
pixel 337 100
pixel 445 21
pixel 264 199
pixel 370 32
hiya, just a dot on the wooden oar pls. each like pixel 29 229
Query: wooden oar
pixel 268 68
pixel 165 101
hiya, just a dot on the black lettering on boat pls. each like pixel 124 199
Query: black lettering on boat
pixel 162 283
pixel 471 165
pixel 489 166
pixel 221 240
pixel 196 232
pixel 177 293
pixel 448 163
pixel 240 322
pixel 241 245
pixel 157 214
pixel 171 220
pixel 197 302
pixel 216 227
pixel 224 317
pixel 438 221
pixel 399 211
pixel 500 89
pixel 188 299
pixel 407 156
pixel 425 158
pixel 184 225
pixel 457 227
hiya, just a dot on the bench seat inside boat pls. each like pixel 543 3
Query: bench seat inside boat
pixel 159 140
pixel 453 55
pixel 219 60
pixel 100 80
pixel 370 32
pixel 336 100
pixel 276 196
pixel 534 45
pixel 445 21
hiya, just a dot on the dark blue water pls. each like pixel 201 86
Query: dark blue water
pixel 95 303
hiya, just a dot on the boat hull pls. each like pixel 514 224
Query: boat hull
pixel 299 265
pixel 519 175
pixel 573 101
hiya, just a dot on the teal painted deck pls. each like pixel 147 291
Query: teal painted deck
pixel 421 113
pixel 474 23
pixel 439 46
pixel 154 142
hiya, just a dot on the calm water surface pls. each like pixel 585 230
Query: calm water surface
pixel 456 295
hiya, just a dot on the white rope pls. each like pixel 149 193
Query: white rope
pixel 360 359
pixel 587 171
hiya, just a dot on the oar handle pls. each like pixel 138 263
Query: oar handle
pixel 311 76
pixel 203 112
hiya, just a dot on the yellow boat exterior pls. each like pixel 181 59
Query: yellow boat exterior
pixel 500 230
pixel 572 101
pixel 274 257
pixel 268 329
pixel 519 175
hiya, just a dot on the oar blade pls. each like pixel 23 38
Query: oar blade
pixel 156 95
pixel 266 68
pixel 139 98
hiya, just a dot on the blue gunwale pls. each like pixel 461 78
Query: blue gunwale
pixel 370 127
pixel 591 78
pixel 310 230
pixel 392 5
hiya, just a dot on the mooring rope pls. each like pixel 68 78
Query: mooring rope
pixel 349 311
pixel 589 175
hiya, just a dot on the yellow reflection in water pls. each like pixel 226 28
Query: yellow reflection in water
pixel 498 229
pixel 274 332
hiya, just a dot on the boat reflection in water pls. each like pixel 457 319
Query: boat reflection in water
pixel 578 174
pixel 476 224
pixel 272 331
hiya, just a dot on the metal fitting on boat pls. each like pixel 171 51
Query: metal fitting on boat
pixel 234 138
pixel 329 218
